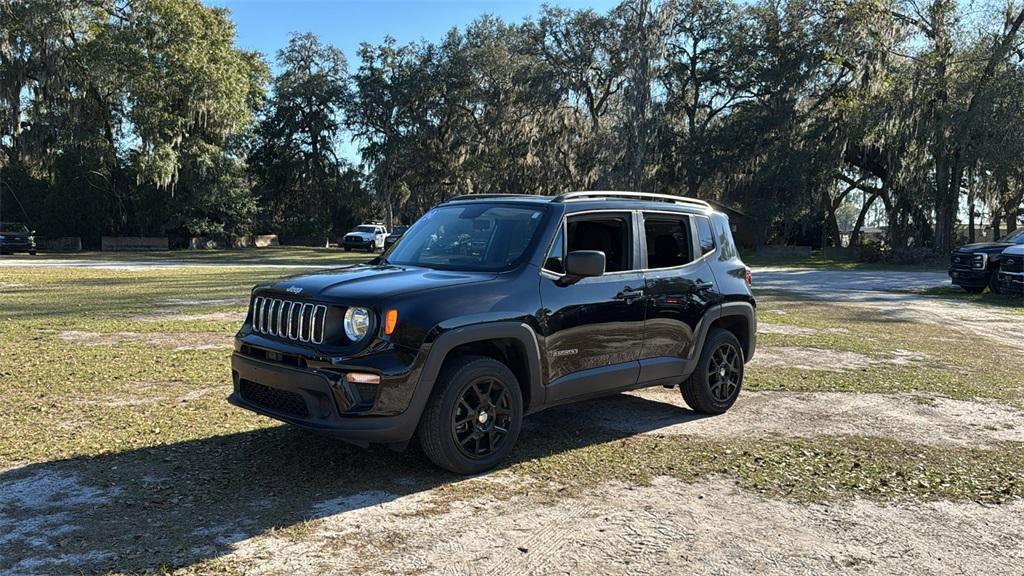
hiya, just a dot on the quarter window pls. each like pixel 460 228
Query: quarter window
pixel 704 235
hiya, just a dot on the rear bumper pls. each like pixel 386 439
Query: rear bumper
pixel 311 399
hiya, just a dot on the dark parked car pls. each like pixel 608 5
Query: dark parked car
pixel 16 237
pixel 1011 271
pixel 976 266
pixel 394 236
pixel 493 307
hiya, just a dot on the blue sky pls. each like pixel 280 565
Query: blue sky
pixel 265 25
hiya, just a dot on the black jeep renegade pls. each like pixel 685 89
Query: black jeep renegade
pixel 493 307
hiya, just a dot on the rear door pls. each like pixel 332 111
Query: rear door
pixel 593 328
pixel 680 287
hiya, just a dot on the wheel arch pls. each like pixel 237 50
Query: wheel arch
pixel 512 343
pixel 740 319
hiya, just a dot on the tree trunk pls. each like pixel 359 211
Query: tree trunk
pixel 855 234
pixel 972 192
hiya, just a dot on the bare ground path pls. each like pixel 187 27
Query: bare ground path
pixel 121 511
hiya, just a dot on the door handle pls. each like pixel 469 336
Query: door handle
pixel 702 285
pixel 630 293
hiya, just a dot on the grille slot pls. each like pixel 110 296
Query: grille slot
pixel 289 319
pixel 275 399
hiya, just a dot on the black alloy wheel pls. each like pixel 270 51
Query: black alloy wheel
pixel 482 418
pixel 725 371
pixel 473 417
pixel 715 384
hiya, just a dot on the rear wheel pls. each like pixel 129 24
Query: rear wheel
pixel 474 415
pixel 715 384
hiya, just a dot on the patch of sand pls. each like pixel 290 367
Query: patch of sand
pixel 174 340
pixel 826 359
pixel 711 527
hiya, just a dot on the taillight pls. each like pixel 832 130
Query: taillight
pixel 750 278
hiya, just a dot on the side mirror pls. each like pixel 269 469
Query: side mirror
pixel 584 263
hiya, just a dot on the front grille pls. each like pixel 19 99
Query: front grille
pixel 960 261
pixel 300 321
pixel 1013 263
pixel 355 239
pixel 274 399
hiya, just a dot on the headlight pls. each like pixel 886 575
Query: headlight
pixel 357 323
pixel 980 261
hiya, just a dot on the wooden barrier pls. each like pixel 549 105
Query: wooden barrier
pixel 784 251
pixel 839 253
pixel 264 240
pixel 133 243
pixel 64 244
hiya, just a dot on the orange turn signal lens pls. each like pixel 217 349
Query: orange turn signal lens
pixel 390 319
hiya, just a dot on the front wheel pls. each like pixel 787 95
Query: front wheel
pixel 715 383
pixel 993 283
pixel 474 415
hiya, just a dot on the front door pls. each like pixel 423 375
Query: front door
pixel 593 329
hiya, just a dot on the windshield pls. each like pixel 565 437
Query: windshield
pixel 366 229
pixel 477 237
pixel 1015 237
pixel 13 228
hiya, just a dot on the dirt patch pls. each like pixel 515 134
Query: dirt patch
pixel 667 527
pixel 148 393
pixel 790 330
pixel 923 420
pixel 827 360
pixel 37 512
pixel 182 317
pixel 208 302
pixel 174 340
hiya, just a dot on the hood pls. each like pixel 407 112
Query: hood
pixel 369 281
pixel 1015 250
pixel 363 235
pixel 987 247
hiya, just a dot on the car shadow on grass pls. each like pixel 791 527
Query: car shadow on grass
pixel 180 504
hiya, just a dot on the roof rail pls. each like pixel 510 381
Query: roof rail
pixel 484 196
pixel 597 194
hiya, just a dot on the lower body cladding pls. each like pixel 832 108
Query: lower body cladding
pixel 1012 283
pixel 319 400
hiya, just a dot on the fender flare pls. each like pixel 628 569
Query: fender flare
pixel 717 312
pixel 448 341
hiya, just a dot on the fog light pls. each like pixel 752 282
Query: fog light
pixel 362 378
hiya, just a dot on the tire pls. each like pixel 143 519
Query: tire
pixel 716 382
pixel 973 289
pixel 449 433
pixel 993 282
pixel 32 253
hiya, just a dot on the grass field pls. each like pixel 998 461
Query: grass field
pixel 114 417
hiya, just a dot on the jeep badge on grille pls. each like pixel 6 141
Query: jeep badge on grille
pixel 294 289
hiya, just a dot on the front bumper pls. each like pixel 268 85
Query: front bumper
pixel 17 246
pixel 315 400
pixel 969 277
pixel 1012 283
pixel 361 244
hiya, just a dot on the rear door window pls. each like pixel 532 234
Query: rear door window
pixel 669 240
